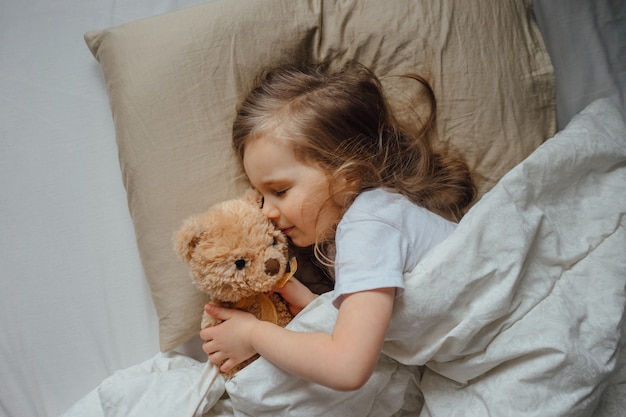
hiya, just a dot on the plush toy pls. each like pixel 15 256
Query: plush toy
pixel 236 256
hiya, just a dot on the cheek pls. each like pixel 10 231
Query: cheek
pixel 307 211
pixel 324 217
pixel 310 210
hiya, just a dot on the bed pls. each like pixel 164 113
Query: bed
pixel 114 126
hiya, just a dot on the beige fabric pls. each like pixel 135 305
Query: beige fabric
pixel 174 80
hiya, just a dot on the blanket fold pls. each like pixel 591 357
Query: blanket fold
pixel 166 385
pixel 520 312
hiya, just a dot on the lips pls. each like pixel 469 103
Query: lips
pixel 287 230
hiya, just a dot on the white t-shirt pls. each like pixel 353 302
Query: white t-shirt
pixel 381 236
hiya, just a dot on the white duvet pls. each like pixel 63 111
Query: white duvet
pixel 518 313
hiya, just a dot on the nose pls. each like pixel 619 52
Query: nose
pixel 270 211
pixel 272 266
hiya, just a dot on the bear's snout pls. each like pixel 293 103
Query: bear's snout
pixel 272 266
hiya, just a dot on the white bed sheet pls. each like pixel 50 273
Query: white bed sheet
pixel 586 40
pixel 518 313
pixel 74 306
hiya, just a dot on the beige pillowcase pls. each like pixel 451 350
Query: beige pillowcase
pixel 174 81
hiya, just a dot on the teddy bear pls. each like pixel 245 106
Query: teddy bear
pixel 236 256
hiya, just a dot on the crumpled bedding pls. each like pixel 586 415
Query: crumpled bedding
pixel 520 312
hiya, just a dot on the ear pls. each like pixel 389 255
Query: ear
pixel 253 197
pixel 187 238
pixel 351 180
pixel 346 186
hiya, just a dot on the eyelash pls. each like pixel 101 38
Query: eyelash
pixel 278 193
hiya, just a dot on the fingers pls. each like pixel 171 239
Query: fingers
pixel 217 312
pixel 208 334
pixel 213 353
pixel 228 343
pixel 227 365
pixel 218 358
pixel 207 347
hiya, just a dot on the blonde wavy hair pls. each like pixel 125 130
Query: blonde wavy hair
pixel 341 121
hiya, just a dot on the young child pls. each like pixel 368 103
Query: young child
pixel 338 171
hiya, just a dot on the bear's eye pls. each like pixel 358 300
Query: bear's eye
pixel 274 241
pixel 240 264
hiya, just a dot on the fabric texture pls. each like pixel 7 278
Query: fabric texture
pixel 577 33
pixel 380 237
pixel 536 315
pixel 519 312
pixel 174 81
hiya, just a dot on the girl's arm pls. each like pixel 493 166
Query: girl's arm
pixel 343 360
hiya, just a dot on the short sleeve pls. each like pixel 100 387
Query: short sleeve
pixel 370 255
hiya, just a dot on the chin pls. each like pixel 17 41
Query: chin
pixel 300 243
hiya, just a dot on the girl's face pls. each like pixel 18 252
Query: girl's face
pixel 296 195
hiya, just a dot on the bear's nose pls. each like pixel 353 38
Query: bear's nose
pixel 272 266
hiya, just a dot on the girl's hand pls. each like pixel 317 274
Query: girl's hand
pixel 228 344
pixel 296 294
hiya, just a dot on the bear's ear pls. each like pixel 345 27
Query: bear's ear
pixel 253 197
pixel 187 238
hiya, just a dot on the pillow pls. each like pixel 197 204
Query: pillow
pixel 174 80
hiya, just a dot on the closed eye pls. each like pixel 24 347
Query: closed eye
pixel 281 193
